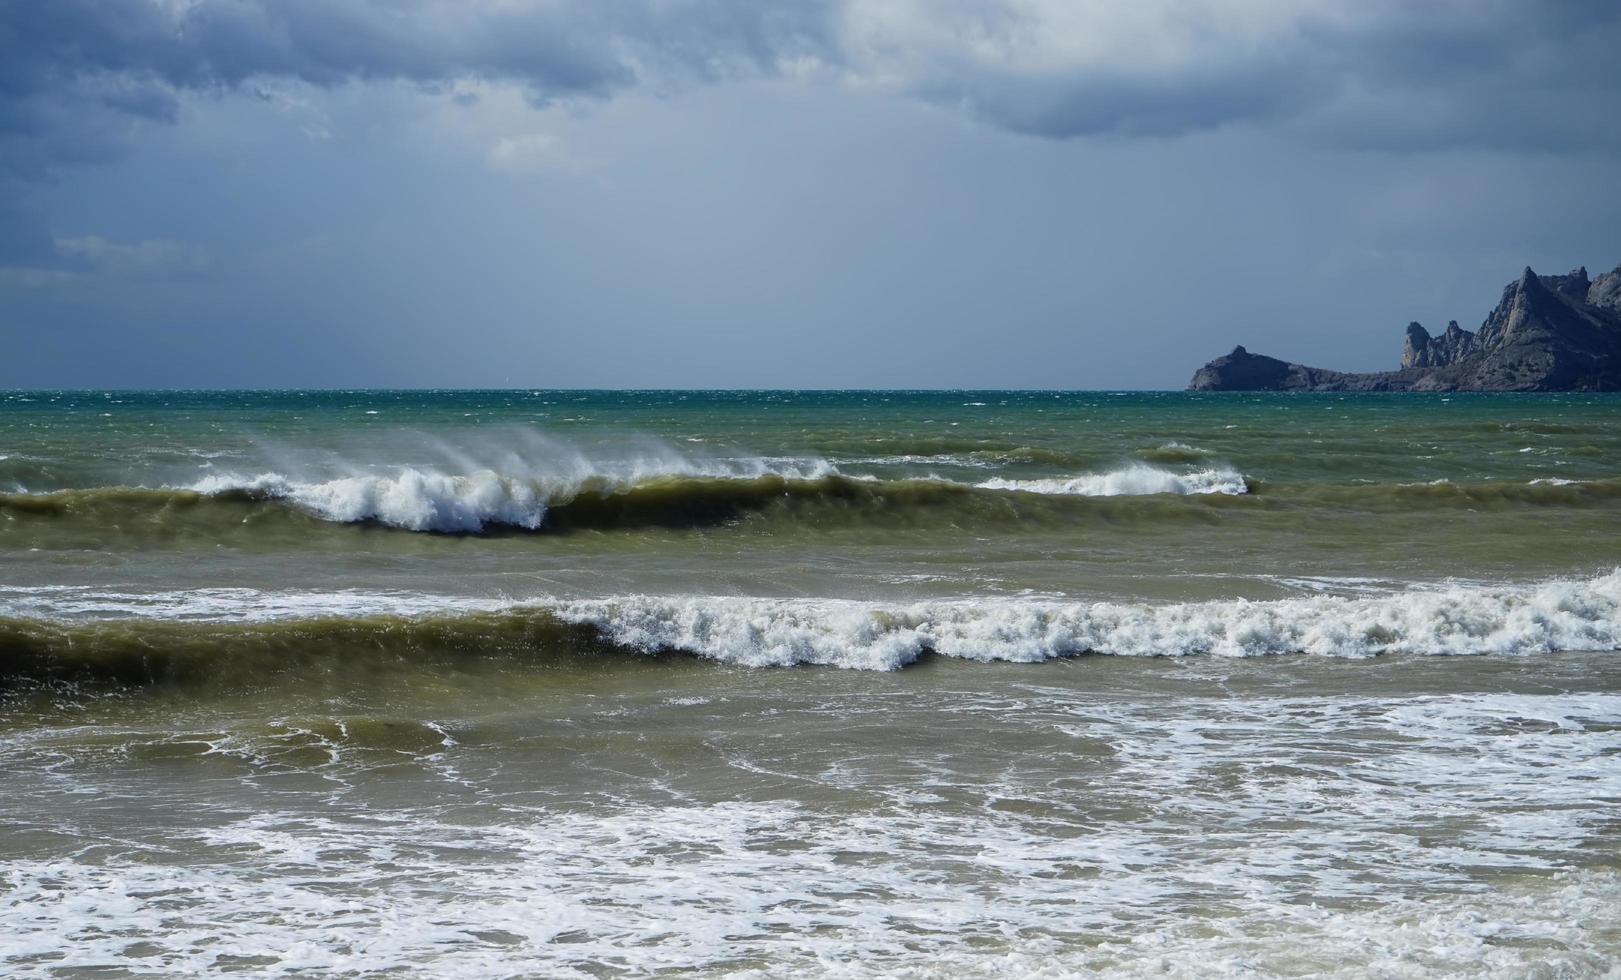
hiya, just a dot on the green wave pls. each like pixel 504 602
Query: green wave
pixel 303 652
pixel 670 502
pixel 108 515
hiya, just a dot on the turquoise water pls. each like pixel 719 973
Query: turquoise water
pixel 843 683
pixel 824 493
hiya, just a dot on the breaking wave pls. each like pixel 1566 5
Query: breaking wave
pixel 232 636
pixel 419 499
pixel 430 501
pixel 815 494
pixel 782 632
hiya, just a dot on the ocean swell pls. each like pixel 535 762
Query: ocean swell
pixel 413 499
pixel 170 636
pixel 423 499
pixel 426 500
pixel 809 497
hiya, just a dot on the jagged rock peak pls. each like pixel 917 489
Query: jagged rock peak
pixel 1518 288
pixel 1548 333
pixel 1527 289
pixel 1414 345
pixel 1605 292
pixel 1419 349
pixel 1573 286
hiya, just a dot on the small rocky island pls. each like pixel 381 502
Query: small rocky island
pixel 1549 333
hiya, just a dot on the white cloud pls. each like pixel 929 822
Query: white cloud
pixel 530 153
pixel 156 256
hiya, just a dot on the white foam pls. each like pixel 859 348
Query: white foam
pixel 427 499
pixel 1338 835
pixel 1466 619
pixel 689 892
pixel 71 603
pixel 414 499
pixel 421 498
pixel 1133 480
pixel 1334 584
pixel 1469 620
pixel 917 459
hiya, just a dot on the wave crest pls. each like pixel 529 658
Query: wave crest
pixel 165 641
pixel 426 500
pixel 420 499
pixel 412 499
pixel 489 502
pixel 1563 615
pixel 1137 479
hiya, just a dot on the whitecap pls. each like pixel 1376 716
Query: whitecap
pixel 759 632
pixel 1136 479
pixel 428 499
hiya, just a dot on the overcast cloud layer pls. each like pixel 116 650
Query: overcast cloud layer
pixel 156 157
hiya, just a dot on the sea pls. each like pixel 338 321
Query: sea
pixel 760 684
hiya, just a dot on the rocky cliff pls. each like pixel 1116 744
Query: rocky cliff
pixel 1548 333
pixel 1422 350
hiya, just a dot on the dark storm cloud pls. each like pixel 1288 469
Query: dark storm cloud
pixel 70 68
pixel 79 78
pixel 1415 76
pixel 74 73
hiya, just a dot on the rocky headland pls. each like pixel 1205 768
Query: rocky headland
pixel 1548 333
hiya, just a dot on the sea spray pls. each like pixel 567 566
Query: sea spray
pixel 420 500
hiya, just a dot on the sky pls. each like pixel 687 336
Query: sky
pixel 781 193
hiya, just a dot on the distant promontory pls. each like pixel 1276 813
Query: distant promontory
pixel 1548 333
